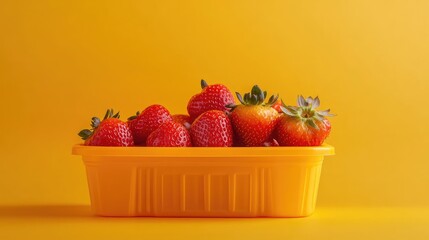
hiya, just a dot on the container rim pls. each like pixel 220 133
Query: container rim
pixel 323 150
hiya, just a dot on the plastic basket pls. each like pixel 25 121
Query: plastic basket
pixel 203 182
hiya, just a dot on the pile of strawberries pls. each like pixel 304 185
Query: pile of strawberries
pixel 215 120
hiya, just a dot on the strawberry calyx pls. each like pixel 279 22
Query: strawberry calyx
pixel 306 111
pixel 255 97
pixel 204 84
pixel 134 116
pixel 95 122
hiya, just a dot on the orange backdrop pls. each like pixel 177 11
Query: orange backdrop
pixel 62 62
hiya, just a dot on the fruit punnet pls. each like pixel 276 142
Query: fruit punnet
pixel 212 129
pixel 253 121
pixel 169 134
pixel 212 97
pixel 109 132
pixel 148 121
pixel 303 125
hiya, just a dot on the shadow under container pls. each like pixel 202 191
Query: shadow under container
pixel 203 181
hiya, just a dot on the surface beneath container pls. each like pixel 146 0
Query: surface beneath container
pixel 77 222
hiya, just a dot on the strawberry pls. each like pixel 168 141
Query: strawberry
pixel 277 106
pixel 109 132
pixel 272 143
pixel 237 142
pixel 253 122
pixel 212 129
pixel 183 119
pixel 303 125
pixel 148 121
pixel 212 97
pixel 169 134
pixel 132 120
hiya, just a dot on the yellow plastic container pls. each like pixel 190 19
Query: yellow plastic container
pixel 203 182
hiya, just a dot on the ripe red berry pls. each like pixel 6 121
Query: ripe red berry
pixel 169 134
pixel 303 125
pixel 212 129
pixel 109 132
pixel 183 119
pixel 253 122
pixel 212 97
pixel 148 121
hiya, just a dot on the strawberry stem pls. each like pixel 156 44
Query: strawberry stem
pixel 204 84
pixel 95 122
pixel 85 134
pixel 256 97
pixel 134 117
pixel 306 111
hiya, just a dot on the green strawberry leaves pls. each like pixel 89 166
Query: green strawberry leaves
pixel 255 97
pixel 95 122
pixel 306 111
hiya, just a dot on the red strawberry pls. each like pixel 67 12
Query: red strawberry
pixel 303 125
pixel 148 121
pixel 169 134
pixel 277 106
pixel 212 129
pixel 183 119
pixel 213 97
pixel 132 121
pixel 237 142
pixel 109 132
pixel 272 143
pixel 254 122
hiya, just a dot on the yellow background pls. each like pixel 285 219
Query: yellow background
pixel 62 62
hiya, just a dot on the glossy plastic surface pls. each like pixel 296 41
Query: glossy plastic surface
pixel 203 182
